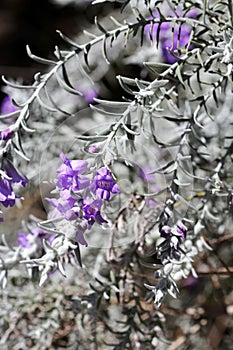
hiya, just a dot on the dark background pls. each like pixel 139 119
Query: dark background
pixel 34 23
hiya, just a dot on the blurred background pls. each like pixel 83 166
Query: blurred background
pixel 34 23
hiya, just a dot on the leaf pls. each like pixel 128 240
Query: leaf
pixel 83 71
pixel 91 35
pixel 100 27
pixel 112 103
pixel 66 87
pixel 164 169
pixel 158 83
pixel 179 75
pixel 26 128
pixel 68 40
pixel 39 59
pixel 21 153
pixel 86 52
pixel 124 86
pixel 18 86
pixel 44 105
pixel 98 138
pixel 181 184
pixel 104 49
pixel 9 115
pixel 102 111
pixel 129 81
pixel 48 95
pixel 176 119
pixel 130 131
pixel 153 65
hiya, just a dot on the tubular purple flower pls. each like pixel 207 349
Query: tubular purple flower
pixel 70 174
pixel 92 212
pixel 7 195
pixel 14 174
pixel 103 184
pixel 65 205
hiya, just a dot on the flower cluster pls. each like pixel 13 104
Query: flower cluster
pixel 9 176
pixel 80 198
pixel 171 39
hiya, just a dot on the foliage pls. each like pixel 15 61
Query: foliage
pixel 139 205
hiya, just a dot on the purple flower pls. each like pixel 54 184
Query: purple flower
pixel 180 41
pixel 7 134
pixel 103 184
pixel 70 174
pixel 7 195
pixel 65 205
pixel 7 106
pixel 169 40
pixel 25 239
pixel 91 212
pixel 14 174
